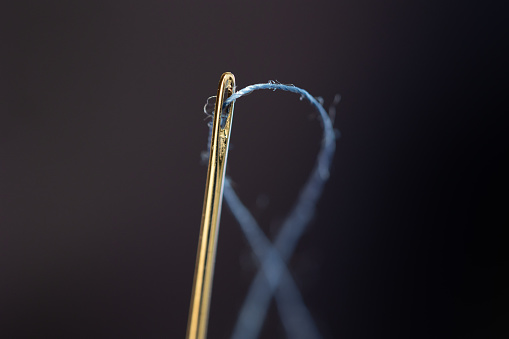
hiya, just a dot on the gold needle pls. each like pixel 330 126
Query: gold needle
pixel 204 270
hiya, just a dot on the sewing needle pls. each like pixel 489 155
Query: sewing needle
pixel 204 270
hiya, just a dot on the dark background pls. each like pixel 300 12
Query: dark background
pixel 101 185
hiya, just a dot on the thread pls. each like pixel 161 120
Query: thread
pixel 273 278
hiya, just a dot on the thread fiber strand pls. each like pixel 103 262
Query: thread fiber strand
pixel 273 278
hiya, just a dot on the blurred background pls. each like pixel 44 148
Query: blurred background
pixel 101 182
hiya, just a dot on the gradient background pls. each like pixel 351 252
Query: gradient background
pixel 101 186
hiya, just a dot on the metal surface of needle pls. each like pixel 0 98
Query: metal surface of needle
pixel 204 270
